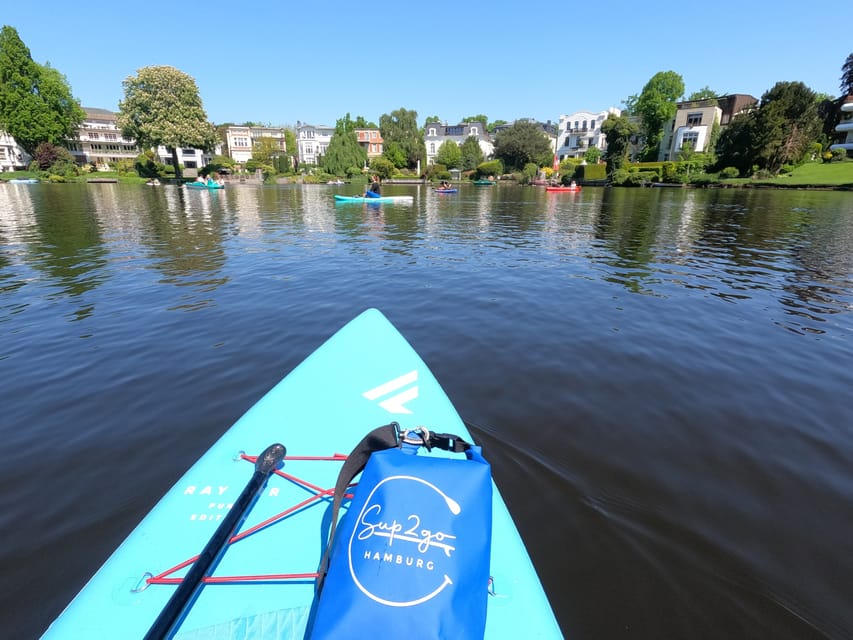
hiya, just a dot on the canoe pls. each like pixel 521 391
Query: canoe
pixel 204 185
pixel 364 376
pixel 445 190
pixel 484 182
pixel 23 181
pixel 379 200
pixel 561 189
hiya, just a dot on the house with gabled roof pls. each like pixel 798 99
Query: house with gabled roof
pixel 437 133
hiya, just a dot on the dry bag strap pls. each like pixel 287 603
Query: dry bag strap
pixel 381 438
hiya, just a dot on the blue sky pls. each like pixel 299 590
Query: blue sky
pixel 271 62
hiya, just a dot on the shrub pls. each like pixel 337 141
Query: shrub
pixel 838 155
pixel 729 172
pixel 587 172
pixel 529 172
pixel 703 179
pixel 490 168
pixel 669 172
pixel 382 167
pixel 145 165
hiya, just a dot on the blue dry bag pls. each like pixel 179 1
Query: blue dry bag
pixel 410 558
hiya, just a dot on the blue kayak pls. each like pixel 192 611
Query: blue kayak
pixel 446 190
pixel 379 200
pixel 204 185
pixel 364 376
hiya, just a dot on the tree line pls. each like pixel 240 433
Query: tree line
pixel 162 107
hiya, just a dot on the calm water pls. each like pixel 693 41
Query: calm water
pixel 663 379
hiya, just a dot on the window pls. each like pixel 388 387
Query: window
pixel 110 136
pixel 372 135
pixel 432 148
pixel 93 136
pixel 188 152
pixel 690 138
pixel 577 122
pixel 474 131
pixel 584 124
pixel 694 119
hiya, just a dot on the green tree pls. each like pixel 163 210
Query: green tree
pixel 656 105
pixel 449 154
pixel 36 104
pixel 618 131
pixel 382 167
pixel 431 119
pixel 705 93
pixel 292 149
pixel 472 154
pixel 520 144
pixel 592 155
pixel 478 118
pixel 400 128
pixel 266 149
pixel 162 106
pixel 735 146
pixel 780 130
pixel 494 125
pixel 344 153
pixel 361 123
pixel 847 77
pixel 787 124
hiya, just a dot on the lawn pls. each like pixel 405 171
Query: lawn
pixel 817 173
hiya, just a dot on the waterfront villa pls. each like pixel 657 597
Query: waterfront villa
pixel 845 126
pixel 312 141
pixel 241 140
pixel 694 122
pixel 579 131
pixel 437 133
pixel 371 141
pixel 12 156
pixel 99 141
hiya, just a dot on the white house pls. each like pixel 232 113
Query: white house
pixel 581 130
pixel 694 121
pixel 12 156
pixel 312 141
pixel 845 126
pixel 436 134
pixel 99 140
pixel 241 140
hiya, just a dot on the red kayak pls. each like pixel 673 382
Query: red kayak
pixel 562 188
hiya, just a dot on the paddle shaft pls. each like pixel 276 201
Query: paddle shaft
pixel 172 614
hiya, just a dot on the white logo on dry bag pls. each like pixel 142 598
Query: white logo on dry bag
pixel 389 534
pixel 397 402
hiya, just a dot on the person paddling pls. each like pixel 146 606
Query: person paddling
pixel 375 189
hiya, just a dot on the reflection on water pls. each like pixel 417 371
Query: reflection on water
pixel 731 244
pixel 669 368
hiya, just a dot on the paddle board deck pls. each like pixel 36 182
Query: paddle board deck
pixel 364 376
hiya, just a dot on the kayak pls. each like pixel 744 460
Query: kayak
pixel 379 200
pixel 484 182
pixel 204 185
pixel 445 190
pixel 23 181
pixel 561 189
pixel 364 376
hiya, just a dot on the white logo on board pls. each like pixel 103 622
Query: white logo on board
pixel 396 403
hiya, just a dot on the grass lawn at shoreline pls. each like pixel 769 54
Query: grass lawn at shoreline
pixel 817 174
